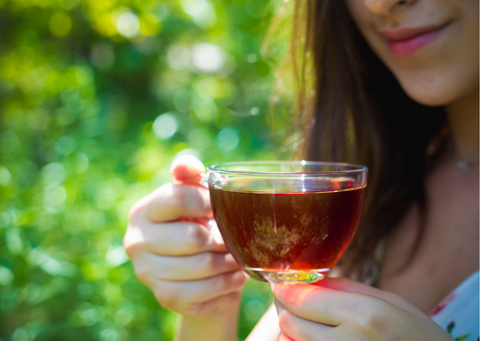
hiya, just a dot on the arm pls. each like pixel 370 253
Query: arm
pixel 222 329
pixel 267 328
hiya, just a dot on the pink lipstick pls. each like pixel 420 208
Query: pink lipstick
pixel 408 40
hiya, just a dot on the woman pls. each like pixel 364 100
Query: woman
pixel 396 89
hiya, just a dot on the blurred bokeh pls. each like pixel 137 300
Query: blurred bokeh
pixel 96 98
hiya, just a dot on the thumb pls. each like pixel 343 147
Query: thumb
pixel 186 169
pixel 347 285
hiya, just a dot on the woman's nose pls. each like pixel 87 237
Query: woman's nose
pixel 384 7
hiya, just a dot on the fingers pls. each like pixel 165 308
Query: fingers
pixel 218 306
pixel 324 305
pixel 170 202
pixel 170 239
pixel 347 285
pixel 310 302
pixel 297 328
pixel 201 266
pixel 186 169
pixel 175 254
pixel 190 295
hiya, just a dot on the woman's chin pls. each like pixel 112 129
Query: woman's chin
pixel 430 101
pixel 439 91
pixel 432 97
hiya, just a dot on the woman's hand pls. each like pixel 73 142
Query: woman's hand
pixel 173 252
pixel 341 309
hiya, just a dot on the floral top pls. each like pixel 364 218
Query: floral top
pixel 458 313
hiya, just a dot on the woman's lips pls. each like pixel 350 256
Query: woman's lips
pixel 406 41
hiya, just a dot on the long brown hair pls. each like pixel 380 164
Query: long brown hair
pixel 356 112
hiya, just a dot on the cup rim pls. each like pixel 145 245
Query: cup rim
pixel 355 168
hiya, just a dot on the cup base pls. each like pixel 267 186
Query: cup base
pixel 287 277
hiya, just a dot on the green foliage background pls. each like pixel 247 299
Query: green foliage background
pixel 97 97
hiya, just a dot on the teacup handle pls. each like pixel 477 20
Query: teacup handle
pixel 204 181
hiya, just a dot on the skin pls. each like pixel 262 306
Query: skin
pixel 193 274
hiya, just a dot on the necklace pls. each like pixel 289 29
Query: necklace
pixel 466 165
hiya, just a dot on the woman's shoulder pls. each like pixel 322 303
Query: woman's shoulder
pixel 458 313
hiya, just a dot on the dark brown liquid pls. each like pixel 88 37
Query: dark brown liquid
pixel 287 231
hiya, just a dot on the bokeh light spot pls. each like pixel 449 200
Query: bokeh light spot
pixel 228 139
pixel 178 57
pixel 208 57
pixel 206 110
pixel 126 23
pixel 200 11
pixel 82 162
pixel 184 100
pixel 53 173
pixel 116 256
pixel 5 176
pixel 50 264
pixel 104 23
pixel 109 334
pixel 102 56
pixel 6 276
pixel 207 87
pixel 22 334
pixel 149 24
pixel 7 217
pixel 84 75
pixel 14 240
pixel 254 310
pixel 85 317
pixel 54 198
pixel 60 24
pixel 165 126
pixel 66 145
